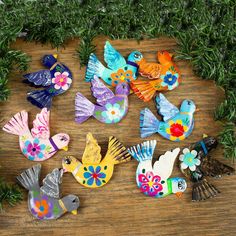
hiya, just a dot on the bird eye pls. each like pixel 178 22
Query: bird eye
pixel 136 55
pixel 63 138
pixel 75 200
pixel 189 103
pixel 67 161
pixel 180 185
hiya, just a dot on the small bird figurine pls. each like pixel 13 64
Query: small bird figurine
pixel 165 76
pixel 36 145
pixel 155 180
pixel 44 202
pixel 110 108
pixel 176 125
pixel 196 164
pixel 119 70
pixel 56 80
pixel 94 172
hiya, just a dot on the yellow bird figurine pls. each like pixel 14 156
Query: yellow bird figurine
pixel 94 172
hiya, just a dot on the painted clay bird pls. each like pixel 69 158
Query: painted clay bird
pixel 196 164
pixel 176 125
pixel 164 76
pixel 119 70
pixel 36 145
pixel 110 107
pixel 94 171
pixel 56 80
pixel 44 202
pixel 154 180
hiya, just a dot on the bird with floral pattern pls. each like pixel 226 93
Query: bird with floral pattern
pixel 56 80
pixel 164 76
pixel 154 180
pixel 36 145
pixel 176 125
pixel 110 108
pixel 94 171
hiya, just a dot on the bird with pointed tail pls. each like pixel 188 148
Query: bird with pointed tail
pixel 44 202
pixel 94 171
pixel 119 70
pixel 154 180
pixel 196 164
pixel 55 80
pixel 177 123
pixel 36 145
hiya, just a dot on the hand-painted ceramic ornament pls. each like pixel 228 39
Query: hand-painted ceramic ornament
pixel 165 76
pixel 44 202
pixel 119 70
pixel 56 80
pixel 36 145
pixel 197 164
pixel 94 172
pixel 110 107
pixel 155 180
pixel 176 125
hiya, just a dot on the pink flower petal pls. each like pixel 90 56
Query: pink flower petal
pixel 156 179
pixel 57 73
pixel 144 188
pixel 149 175
pixel 65 87
pixel 65 73
pixel 142 178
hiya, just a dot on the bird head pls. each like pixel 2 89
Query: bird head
pixel 164 56
pixel 123 89
pixel 135 57
pixel 49 60
pixel 179 185
pixel 210 143
pixel 188 106
pixel 61 141
pixel 71 203
pixel 70 164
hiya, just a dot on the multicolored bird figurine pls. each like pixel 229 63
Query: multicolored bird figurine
pixel 44 202
pixel 36 145
pixel 154 180
pixel 164 76
pixel 110 108
pixel 176 125
pixel 94 171
pixel 196 164
pixel 55 80
pixel 119 70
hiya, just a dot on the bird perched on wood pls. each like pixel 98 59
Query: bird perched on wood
pixel 110 108
pixel 55 80
pixel 44 202
pixel 36 145
pixel 94 171
pixel 164 76
pixel 176 125
pixel 155 180
pixel 196 164
pixel 119 70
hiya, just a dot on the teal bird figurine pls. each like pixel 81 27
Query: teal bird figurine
pixel 119 70
pixel 176 125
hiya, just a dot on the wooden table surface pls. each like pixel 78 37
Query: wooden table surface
pixel 118 208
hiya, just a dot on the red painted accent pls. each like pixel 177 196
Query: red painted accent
pixel 95 175
pixel 176 130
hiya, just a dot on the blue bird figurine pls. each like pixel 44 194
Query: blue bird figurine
pixel 119 70
pixel 176 125
pixel 56 80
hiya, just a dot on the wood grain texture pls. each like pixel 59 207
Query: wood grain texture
pixel 118 208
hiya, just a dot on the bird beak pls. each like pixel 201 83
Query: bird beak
pixel 131 92
pixel 64 170
pixel 178 194
pixel 55 55
pixel 65 148
pixel 204 135
pixel 197 110
pixel 74 212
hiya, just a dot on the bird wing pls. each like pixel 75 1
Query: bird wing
pixel 165 108
pixel 42 77
pixel 164 166
pixel 92 152
pixel 51 183
pixel 100 91
pixel 41 125
pixel 113 58
pixel 150 70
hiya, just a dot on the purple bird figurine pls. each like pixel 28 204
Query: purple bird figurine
pixel 110 107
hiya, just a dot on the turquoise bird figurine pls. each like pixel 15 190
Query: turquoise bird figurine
pixel 176 125
pixel 119 70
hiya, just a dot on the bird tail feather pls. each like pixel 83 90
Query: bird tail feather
pixel 40 98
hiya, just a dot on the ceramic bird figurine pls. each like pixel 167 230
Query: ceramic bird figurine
pixel 44 202
pixel 176 125
pixel 36 145
pixel 94 171
pixel 56 80
pixel 196 164
pixel 119 70
pixel 165 76
pixel 155 180
pixel 110 107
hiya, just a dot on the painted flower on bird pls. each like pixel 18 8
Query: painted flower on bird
pixel 189 159
pixel 122 76
pixel 94 176
pixel 150 183
pixel 176 130
pixel 61 80
pixel 113 113
pixel 169 80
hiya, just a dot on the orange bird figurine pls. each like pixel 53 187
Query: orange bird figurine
pixel 164 76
